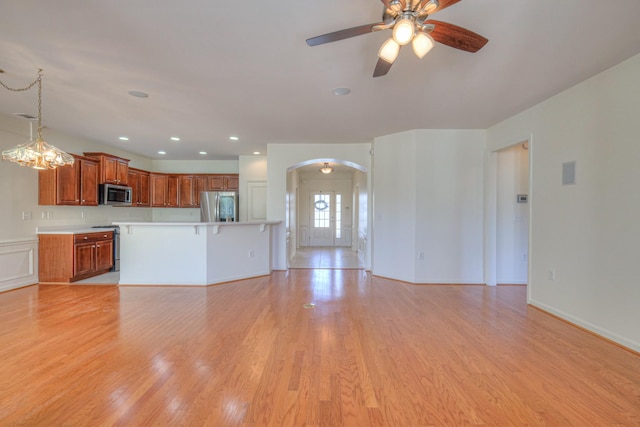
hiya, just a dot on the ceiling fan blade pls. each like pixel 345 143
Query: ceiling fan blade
pixel 457 37
pixel 382 68
pixel 345 34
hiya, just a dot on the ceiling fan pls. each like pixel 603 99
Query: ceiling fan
pixel 410 24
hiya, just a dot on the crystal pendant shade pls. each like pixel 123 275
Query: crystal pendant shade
pixel 37 154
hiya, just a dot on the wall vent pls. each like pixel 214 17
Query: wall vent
pixel 569 173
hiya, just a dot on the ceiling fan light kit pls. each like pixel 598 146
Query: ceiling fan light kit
pixel 422 44
pixel 403 31
pixel 408 20
pixel 389 51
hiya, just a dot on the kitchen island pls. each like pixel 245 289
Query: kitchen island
pixel 193 253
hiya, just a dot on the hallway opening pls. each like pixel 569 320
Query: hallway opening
pixel 326 219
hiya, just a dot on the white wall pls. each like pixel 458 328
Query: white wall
pixel 282 156
pixel 253 171
pixel 394 206
pixel 585 237
pixel 361 208
pixel 291 217
pixel 512 238
pixel 428 206
pixel 195 166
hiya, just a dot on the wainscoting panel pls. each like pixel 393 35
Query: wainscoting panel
pixel 18 263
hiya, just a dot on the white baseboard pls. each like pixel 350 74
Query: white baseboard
pixel 18 263
pixel 588 326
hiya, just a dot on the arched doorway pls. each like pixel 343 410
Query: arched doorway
pixel 327 217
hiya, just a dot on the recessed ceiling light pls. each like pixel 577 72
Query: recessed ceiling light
pixel 138 94
pixel 256 152
pixel 175 138
pixel 203 153
pixel 233 138
pixel 341 91
pixel 123 138
pixel 162 152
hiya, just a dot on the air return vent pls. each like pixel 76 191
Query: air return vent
pixel 569 173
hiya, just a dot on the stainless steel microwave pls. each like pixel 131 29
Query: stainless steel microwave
pixel 117 195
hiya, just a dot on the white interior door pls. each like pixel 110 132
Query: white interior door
pixel 322 221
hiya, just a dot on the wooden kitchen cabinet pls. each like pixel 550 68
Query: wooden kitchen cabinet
pixel 187 191
pixel 223 182
pixel 66 258
pixel 173 191
pixel 201 185
pixel 73 185
pixel 113 169
pixel 158 190
pixel 190 188
pixel 165 190
pixel 139 181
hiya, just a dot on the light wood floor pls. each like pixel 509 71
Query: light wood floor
pixel 326 257
pixel 373 352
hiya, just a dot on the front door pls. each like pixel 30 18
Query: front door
pixel 322 221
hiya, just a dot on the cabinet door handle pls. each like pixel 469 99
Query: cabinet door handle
pixel 86 238
pixel 104 235
pixel 97 246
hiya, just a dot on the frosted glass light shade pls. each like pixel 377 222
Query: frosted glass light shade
pixel 403 31
pixel 430 7
pixel 422 44
pixel 389 51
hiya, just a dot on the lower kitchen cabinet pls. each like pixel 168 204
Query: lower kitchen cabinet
pixel 66 258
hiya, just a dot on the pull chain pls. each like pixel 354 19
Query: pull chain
pixel 37 81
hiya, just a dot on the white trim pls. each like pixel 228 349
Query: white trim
pixel 635 346
pixel 18 263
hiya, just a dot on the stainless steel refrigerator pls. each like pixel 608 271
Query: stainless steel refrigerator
pixel 218 206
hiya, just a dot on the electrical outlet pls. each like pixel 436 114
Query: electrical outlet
pixel 551 274
pixel 421 256
pixel 26 215
pixel 251 254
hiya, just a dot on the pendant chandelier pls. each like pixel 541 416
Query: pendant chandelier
pixel 326 168
pixel 36 154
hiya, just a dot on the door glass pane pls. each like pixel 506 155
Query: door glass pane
pixel 322 210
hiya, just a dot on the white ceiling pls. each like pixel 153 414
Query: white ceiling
pixel 219 68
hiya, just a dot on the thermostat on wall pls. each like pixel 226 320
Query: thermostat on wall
pixel 522 198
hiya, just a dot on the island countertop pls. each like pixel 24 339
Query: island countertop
pixel 193 253
pixel 73 229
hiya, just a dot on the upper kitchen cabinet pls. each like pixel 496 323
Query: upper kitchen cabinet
pixel 223 182
pixel 165 190
pixel 140 190
pixel 113 170
pixel 74 185
pixel 190 188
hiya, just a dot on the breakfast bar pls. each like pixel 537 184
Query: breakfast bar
pixel 194 253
